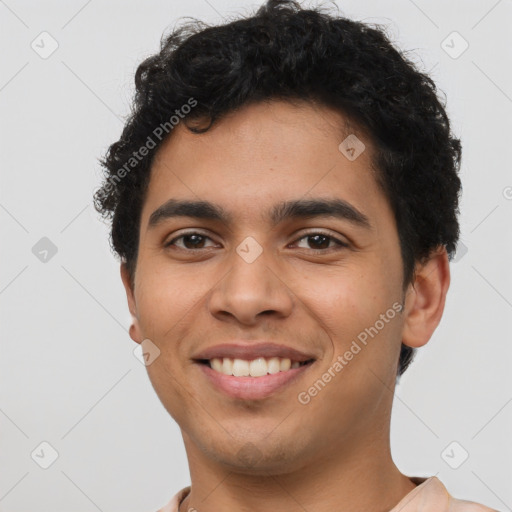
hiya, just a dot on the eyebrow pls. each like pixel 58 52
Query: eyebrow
pixel 295 209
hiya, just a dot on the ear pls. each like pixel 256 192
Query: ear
pixel 135 330
pixel 425 299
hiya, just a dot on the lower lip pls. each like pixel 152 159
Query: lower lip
pixel 252 388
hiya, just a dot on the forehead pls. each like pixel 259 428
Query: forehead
pixel 264 154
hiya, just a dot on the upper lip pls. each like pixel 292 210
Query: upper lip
pixel 253 351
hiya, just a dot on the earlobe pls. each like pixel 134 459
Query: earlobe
pixel 425 299
pixel 135 331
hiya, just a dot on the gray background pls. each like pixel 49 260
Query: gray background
pixel 68 375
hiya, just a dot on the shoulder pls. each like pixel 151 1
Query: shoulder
pixel 429 496
pixel 467 506
pixel 432 496
pixel 173 504
pixel 459 505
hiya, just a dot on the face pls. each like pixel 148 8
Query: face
pixel 324 284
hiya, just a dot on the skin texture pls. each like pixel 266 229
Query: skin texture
pixel 334 452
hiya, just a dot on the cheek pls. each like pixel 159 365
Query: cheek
pixel 166 383
pixel 164 302
pixel 167 296
pixel 358 309
pixel 347 297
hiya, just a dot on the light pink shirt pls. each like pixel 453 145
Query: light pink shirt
pixel 429 496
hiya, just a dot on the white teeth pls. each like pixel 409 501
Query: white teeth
pixel 227 366
pixel 258 367
pixel 255 368
pixel 241 368
pixel 216 364
pixel 285 365
pixel 273 365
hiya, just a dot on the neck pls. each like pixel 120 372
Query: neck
pixel 357 475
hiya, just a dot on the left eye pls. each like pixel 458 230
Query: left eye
pixel 322 240
pixel 197 240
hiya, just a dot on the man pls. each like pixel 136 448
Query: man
pixel 284 202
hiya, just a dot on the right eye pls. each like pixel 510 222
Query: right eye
pixel 193 239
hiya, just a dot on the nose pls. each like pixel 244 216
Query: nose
pixel 249 292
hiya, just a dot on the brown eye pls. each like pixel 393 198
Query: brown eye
pixel 190 241
pixel 321 241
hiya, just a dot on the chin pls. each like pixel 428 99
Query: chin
pixel 258 457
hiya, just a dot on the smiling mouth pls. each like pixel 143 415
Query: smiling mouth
pixel 258 367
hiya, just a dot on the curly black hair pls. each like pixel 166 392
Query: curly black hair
pixel 289 53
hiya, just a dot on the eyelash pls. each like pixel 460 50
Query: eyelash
pixel 306 235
